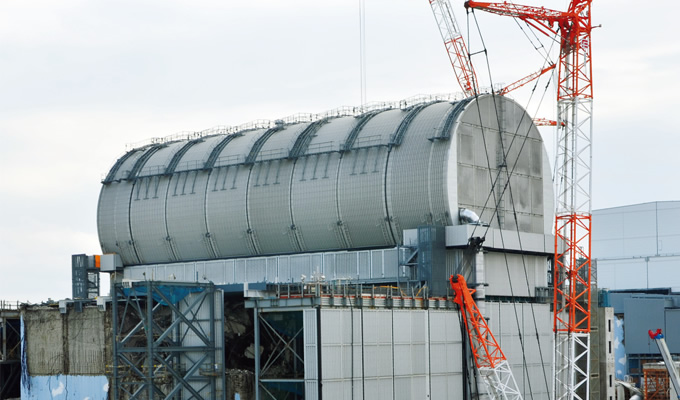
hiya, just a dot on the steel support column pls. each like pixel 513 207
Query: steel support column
pixel 168 341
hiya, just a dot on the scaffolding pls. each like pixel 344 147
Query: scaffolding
pixel 10 358
pixel 656 382
pixel 168 341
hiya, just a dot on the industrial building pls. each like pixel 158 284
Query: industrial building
pixel 310 257
pixel 638 246
pixel 637 252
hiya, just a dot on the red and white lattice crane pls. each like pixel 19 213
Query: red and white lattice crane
pixel 455 46
pixel 572 268
pixel 489 359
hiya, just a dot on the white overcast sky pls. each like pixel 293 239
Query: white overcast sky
pixel 81 79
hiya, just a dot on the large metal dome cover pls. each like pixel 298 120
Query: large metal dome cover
pixel 342 182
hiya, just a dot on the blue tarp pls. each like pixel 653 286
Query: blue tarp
pixel 66 387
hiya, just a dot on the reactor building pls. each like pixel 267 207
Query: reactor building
pixel 309 258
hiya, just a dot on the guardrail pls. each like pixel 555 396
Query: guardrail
pixel 9 305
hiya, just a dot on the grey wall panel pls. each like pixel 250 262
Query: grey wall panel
pixel 311 359
pixel 225 211
pixel 647 314
pixel 147 220
pixel 269 210
pixel 671 329
pixel 314 201
pixel 186 215
pixel 480 154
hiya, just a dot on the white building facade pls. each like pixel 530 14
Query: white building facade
pixel 638 246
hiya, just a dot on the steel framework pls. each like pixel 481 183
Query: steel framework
pixel 489 358
pixel 280 372
pixel 656 384
pixel 168 341
pixel 10 363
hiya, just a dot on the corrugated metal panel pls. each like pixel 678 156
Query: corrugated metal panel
pixel 118 237
pixel 364 264
pixel 256 270
pixel 225 211
pixel 196 156
pixel 314 201
pixel 361 183
pixel 409 168
pixel 158 162
pixel 123 170
pixel 310 354
pixel 236 151
pixel 391 263
pixel 148 222
pixel 331 136
pixel 269 209
pixel 186 215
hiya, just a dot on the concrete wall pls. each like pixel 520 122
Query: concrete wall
pixel 76 343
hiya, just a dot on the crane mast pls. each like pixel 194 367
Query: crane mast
pixel 489 358
pixel 573 221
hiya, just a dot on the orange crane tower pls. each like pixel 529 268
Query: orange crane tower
pixel 489 358
pixel 572 264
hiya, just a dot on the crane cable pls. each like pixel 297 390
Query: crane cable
pixel 508 187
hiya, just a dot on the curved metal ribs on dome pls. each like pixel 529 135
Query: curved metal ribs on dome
pixel 342 182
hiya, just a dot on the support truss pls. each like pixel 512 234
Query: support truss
pixel 489 358
pixel 570 370
pixel 168 341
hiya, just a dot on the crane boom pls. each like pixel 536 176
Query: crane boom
pixel 573 221
pixel 658 337
pixel 489 358
pixel 455 46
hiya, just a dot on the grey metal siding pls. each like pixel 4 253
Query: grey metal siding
pixel 186 215
pixel 147 220
pixel 410 174
pixel 361 183
pixel 225 211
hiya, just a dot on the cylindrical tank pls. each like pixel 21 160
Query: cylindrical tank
pixel 336 183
